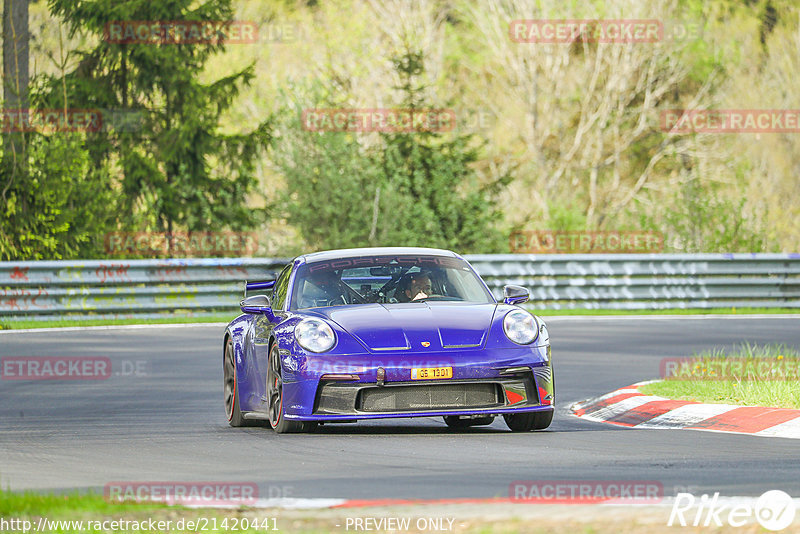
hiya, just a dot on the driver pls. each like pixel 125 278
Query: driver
pixel 419 286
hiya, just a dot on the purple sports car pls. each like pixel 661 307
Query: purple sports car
pixel 373 333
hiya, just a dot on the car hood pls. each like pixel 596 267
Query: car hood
pixel 443 325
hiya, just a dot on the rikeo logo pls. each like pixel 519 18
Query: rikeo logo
pixel 774 510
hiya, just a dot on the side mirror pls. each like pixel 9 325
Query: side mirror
pixel 256 304
pixel 515 294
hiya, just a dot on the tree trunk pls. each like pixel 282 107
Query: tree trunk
pixel 15 72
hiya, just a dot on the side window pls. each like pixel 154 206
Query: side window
pixel 281 287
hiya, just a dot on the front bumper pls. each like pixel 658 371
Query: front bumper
pixel 360 416
pixel 526 389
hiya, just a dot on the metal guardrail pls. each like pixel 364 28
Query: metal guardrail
pixel 127 288
pixel 647 281
pixel 139 288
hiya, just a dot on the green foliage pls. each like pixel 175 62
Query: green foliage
pixel 433 199
pixel 766 377
pixel 411 188
pixel 56 207
pixel 184 165
pixel 565 216
pixel 329 186
pixel 177 169
pixel 702 220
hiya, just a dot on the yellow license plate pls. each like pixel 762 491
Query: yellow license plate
pixel 430 373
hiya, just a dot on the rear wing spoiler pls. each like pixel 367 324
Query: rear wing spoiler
pixel 251 286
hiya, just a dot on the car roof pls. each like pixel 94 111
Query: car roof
pixel 328 255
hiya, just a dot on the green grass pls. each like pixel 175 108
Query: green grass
pixel 168 319
pixel 750 375
pixel 33 504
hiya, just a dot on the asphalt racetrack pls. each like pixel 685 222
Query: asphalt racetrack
pixel 160 417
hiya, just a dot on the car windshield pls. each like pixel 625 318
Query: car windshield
pixel 387 280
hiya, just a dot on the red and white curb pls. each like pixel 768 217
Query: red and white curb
pixel 629 408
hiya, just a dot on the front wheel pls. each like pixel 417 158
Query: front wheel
pixel 277 420
pixel 525 422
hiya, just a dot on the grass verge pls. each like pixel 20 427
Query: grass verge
pixel 90 512
pixel 749 375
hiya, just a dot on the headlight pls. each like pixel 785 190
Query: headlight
pixel 314 335
pixel 520 327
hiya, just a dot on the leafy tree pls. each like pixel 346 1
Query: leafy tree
pixel 408 188
pixel 331 186
pixel 16 38
pixel 177 169
pixel 55 209
pixel 702 219
pixel 438 199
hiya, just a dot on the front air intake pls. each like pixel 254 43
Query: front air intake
pixel 429 397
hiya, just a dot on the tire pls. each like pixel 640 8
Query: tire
pixel 525 422
pixel 454 421
pixel 277 421
pixel 231 389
